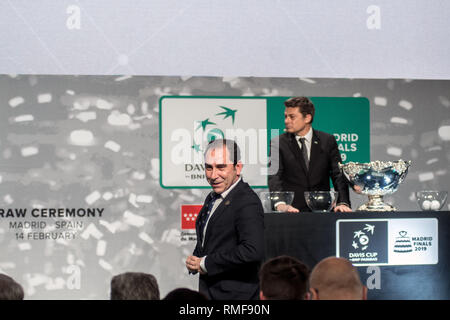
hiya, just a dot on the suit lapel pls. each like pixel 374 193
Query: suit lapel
pixel 221 209
pixel 201 213
pixel 315 151
pixel 295 148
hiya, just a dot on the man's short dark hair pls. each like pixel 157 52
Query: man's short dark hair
pixel 134 286
pixel 304 105
pixel 284 278
pixel 233 149
pixel 185 294
pixel 10 289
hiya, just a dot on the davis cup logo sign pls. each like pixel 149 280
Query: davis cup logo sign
pixel 189 124
pixel 363 242
pixel 388 241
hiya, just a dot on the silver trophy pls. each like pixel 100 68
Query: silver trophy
pixel 376 179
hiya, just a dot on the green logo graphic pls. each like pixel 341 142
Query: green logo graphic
pixel 214 133
pixel 203 124
pixel 228 113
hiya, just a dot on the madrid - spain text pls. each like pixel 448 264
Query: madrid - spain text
pixel 27 226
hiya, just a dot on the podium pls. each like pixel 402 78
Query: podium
pixel 404 272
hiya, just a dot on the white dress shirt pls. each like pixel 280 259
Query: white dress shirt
pixel 308 141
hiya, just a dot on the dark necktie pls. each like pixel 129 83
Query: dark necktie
pixel 204 218
pixel 304 152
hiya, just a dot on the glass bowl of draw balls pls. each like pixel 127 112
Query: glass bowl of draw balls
pixel 430 200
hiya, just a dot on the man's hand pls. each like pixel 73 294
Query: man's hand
pixel 342 208
pixel 193 264
pixel 282 207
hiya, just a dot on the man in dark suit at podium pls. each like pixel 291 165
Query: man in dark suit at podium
pixel 230 229
pixel 306 159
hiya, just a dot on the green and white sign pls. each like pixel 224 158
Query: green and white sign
pixel 187 124
pixel 366 242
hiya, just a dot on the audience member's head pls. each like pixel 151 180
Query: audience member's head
pixel 10 289
pixel 336 279
pixel 185 294
pixel 134 286
pixel 283 278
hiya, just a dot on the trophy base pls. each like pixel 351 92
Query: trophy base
pixel 376 204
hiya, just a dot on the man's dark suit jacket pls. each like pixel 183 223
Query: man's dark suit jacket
pixel 234 246
pixel 292 174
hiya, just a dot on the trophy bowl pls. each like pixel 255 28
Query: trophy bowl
pixel 376 179
pixel 431 200
pixel 321 201
pixel 269 199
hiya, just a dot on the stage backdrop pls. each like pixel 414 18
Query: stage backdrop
pixel 80 192
pixel 187 124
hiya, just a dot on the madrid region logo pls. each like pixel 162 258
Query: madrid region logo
pixel 362 237
pixel 213 133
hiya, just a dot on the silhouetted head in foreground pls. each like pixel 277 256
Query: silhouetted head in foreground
pixel 134 286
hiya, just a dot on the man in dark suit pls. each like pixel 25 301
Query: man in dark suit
pixel 230 229
pixel 305 159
